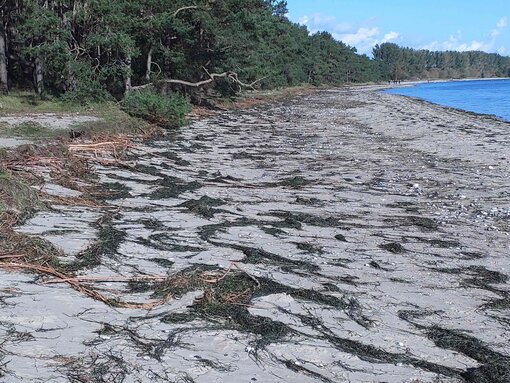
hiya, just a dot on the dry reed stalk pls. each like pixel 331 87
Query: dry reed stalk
pixel 75 283
pixel 11 255
pixel 112 279
pixel 72 201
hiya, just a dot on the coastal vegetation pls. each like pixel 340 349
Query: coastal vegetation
pixel 406 63
pixel 85 51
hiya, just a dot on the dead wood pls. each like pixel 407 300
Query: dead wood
pixel 232 76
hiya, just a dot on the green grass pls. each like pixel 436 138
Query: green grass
pixel 28 102
pixel 113 120
pixel 30 129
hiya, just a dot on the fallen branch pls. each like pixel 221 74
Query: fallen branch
pixel 11 256
pixel 75 284
pixel 109 279
pixel 232 76
pixel 51 271
pixel 112 145
pixel 184 9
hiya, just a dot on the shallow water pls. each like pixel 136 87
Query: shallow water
pixel 479 96
pixel 369 246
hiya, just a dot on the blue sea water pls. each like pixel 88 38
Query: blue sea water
pixel 480 96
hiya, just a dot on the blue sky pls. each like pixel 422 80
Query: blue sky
pixel 430 24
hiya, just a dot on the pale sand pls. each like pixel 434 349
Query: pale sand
pixel 398 208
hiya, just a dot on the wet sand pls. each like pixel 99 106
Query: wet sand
pixel 370 234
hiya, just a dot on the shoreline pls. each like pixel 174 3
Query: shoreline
pixel 484 115
pixel 419 99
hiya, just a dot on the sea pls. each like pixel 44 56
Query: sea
pixel 479 96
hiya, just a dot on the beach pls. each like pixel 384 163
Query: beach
pixel 342 235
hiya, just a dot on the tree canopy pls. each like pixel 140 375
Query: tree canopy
pixel 95 49
pixel 406 63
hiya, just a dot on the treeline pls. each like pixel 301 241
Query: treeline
pixel 85 50
pixel 406 63
pixel 93 49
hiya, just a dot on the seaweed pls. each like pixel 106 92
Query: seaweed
pixel 165 242
pixel 308 247
pixel 163 262
pixel 173 187
pixel 293 366
pixel 393 247
pixel 295 182
pixel 423 222
pixel 495 367
pixel 340 237
pixel 203 206
pixel 298 218
pixel 308 201
pixel 107 244
pixel 254 255
pixel 113 191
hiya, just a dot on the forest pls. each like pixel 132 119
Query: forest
pixel 89 50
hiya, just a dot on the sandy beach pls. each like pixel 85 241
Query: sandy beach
pixel 341 236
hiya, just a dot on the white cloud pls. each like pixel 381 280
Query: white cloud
pixel 502 23
pixel 318 22
pixel 390 36
pixel 363 37
pixel 456 43
pixel 500 26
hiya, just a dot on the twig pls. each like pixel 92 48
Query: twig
pixel 11 256
pixel 220 278
pixel 74 283
pixel 248 274
pixel 111 279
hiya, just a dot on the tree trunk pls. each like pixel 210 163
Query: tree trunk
pixel 3 64
pixel 127 78
pixel 39 76
pixel 149 65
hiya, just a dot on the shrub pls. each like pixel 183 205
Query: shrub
pixel 165 111
pixel 83 85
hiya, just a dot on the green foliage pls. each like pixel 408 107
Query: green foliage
pixel 166 111
pixel 83 85
pixel 399 63
pixel 91 50
pixel 30 129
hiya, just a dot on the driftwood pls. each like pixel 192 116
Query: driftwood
pixel 232 76
pixel 184 9
pixel 76 284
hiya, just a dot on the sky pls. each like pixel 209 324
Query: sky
pixel 459 25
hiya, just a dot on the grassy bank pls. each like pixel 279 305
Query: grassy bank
pixel 110 118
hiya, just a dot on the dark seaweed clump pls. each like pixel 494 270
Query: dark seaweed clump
pixel 393 247
pixel 203 206
pixel 107 243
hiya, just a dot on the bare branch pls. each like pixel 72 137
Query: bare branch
pixel 184 9
pixel 232 76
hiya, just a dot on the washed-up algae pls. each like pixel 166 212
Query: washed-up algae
pixel 226 292
pixel 17 198
pixel 227 296
pixel 106 245
pixel 494 366
pixel 204 206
